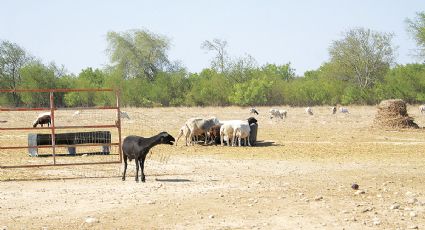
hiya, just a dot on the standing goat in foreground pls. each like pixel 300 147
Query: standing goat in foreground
pixel 135 147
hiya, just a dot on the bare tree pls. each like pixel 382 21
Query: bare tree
pixel 221 58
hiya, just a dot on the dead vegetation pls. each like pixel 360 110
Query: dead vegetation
pixel 393 114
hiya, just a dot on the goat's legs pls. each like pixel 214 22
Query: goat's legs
pixel 137 170
pixel 142 166
pixel 125 166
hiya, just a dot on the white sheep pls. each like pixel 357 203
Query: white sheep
pixel 309 110
pixel 226 131
pixel 184 130
pixel 343 110
pixel 422 108
pixel 199 126
pixel 242 132
pixel 277 113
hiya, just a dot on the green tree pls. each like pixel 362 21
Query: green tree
pixel 365 55
pixel 12 59
pixel 138 53
pixel 416 28
pixel 37 76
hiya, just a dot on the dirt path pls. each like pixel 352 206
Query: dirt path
pixel 192 192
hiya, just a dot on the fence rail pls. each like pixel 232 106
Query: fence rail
pixel 53 127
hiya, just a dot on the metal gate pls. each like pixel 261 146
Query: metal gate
pixel 7 148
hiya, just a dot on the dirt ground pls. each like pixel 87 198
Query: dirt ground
pixel 299 176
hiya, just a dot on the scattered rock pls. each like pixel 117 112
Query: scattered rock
pixel 318 198
pixel 211 216
pixel 368 209
pixel 413 214
pixel 412 200
pixel 410 194
pixel 358 192
pixel 150 202
pixel 91 220
pixel 376 221
pixel 413 227
pixel 395 206
pixel 355 186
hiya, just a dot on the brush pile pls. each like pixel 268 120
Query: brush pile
pixel 393 114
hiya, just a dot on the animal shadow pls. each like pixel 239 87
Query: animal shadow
pixel 174 180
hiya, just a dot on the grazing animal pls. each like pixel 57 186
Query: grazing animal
pixel 343 110
pixel 253 110
pixel 76 113
pixel 229 128
pixel 43 118
pixel 422 108
pixel 243 132
pixel 135 147
pixel 200 126
pixel 214 134
pixel 277 113
pixel 124 114
pixel 309 110
pixel 183 131
pixel 333 109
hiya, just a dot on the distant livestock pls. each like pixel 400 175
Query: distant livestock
pixel 254 111
pixel 422 109
pixel 135 147
pixel 277 113
pixel 43 118
pixel 309 110
pixel 343 110
pixel 333 109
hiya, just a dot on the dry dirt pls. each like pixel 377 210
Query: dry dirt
pixel 298 177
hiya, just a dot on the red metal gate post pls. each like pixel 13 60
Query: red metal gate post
pixel 117 95
pixel 52 125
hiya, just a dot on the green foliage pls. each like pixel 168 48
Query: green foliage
pixel 365 55
pixel 139 53
pixel 416 27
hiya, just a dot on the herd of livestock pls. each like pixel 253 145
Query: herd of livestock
pixel 210 130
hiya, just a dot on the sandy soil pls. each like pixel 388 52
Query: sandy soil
pixel 298 177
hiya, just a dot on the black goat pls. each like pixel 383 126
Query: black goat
pixel 135 147
pixel 43 118
pixel 252 120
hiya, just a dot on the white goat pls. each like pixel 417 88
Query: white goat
pixel 343 110
pixel 124 114
pixel 226 131
pixel 199 126
pixel 242 132
pixel 333 110
pixel 422 108
pixel 184 130
pixel 277 113
pixel 253 110
pixel 309 110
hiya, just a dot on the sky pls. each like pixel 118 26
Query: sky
pixel 73 32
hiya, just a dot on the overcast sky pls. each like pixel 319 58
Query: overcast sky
pixel 73 32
